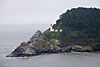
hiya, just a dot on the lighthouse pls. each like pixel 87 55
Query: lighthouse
pixel 51 29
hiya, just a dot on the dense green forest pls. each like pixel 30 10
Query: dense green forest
pixel 79 25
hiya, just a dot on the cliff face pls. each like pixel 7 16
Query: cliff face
pixel 37 44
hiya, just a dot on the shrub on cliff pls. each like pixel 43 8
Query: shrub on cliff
pixel 52 35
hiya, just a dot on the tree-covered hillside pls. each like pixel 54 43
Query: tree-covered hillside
pixel 80 26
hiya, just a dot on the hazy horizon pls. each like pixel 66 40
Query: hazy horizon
pixel 38 11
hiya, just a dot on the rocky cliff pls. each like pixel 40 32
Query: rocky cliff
pixel 38 44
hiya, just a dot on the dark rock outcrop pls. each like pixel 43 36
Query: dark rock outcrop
pixel 84 48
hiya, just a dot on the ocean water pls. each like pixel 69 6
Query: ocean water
pixel 12 35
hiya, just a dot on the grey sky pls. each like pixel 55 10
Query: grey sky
pixel 38 11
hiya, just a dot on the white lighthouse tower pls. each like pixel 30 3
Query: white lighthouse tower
pixel 51 29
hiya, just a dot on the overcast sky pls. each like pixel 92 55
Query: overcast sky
pixel 38 11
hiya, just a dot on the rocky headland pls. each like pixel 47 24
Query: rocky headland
pixel 38 45
pixel 76 30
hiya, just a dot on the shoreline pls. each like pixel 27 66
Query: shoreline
pixel 72 52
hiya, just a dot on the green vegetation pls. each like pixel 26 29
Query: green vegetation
pixel 80 25
pixel 50 35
